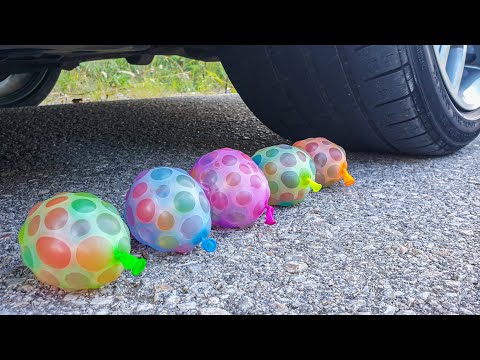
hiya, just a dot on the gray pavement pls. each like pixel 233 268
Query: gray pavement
pixel 405 239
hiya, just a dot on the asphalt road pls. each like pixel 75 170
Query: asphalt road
pixel 403 240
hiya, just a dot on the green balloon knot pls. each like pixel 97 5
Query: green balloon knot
pixel 130 262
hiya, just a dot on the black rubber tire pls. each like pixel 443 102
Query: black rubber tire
pixel 35 91
pixel 381 98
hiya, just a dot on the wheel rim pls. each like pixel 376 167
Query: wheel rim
pixel 12 83
pixel 15 87
pixel 460 69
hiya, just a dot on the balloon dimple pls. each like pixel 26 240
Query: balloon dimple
pixel 257 159
pixel 208 158
pixel 34 208
pixel 167 242
pixel 146 234
pixel 333 171
pixel 184 202
pixel 33 225
pixel 77 281
pixel 233 179
pixel 286 197
pixel 311 147
pixel 219 200
pixel 229 160
pixel 270 168
pixel 110 274
pixel 301 155
pixel 204 203
pixel 80 228
pixel 335 154
pixel 56 201
pixel 165 221
pixel 145 210
pixel 244 169
pixel 300 195
pixel 94 253
pixel 163 191
pixel 209 177
pixel 273 187
pixel 48 278
pixel 108 224
pixel 53 252
pixel 244 198
pixel 236 217
pixel 290 179
pixel 288 160
pixel 56 219
pixel 139 190
pixel 129 215
pixel 271 152
pixel 161 173
pixel 256 182
pixel 320 159
pixel 191 227
pixel 186 181
pixel 124 245
pixel 83 205
pixel 320 179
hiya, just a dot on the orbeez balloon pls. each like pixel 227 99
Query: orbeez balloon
pixel 168 210
pixel 330 160
pixel 290 172
pixel 236 188
pixel 76 241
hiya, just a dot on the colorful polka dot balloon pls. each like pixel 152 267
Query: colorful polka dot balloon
pixel 168 210
pixel 330 160
pixel 290 172
pixel 236 188
pixel 77 241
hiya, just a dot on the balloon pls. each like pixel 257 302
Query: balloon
pixel 289 172
pixel 330 160
pixel 236 188
pixel 77 241
pixel 168 210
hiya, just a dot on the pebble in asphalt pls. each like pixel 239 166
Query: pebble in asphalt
pixel 402 240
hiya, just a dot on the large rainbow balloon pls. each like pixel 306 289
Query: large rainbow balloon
pixel 77 241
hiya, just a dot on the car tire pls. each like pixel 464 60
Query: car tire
pixel 380 98
pixel 28 89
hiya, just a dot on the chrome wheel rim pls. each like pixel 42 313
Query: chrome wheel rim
pixel 460 69
pixel 10 84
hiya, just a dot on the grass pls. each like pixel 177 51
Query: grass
pixel 117 79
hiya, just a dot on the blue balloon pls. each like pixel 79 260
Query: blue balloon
pixel 168 210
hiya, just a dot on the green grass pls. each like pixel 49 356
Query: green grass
pixel 117 79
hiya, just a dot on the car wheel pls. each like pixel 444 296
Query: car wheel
pixel 27 89
pixel 413 99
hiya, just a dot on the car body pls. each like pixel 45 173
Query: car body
pixel 413 99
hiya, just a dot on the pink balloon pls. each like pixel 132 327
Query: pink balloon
pixel 235 186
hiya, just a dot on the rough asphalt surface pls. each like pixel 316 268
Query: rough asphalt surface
pixel 403 240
